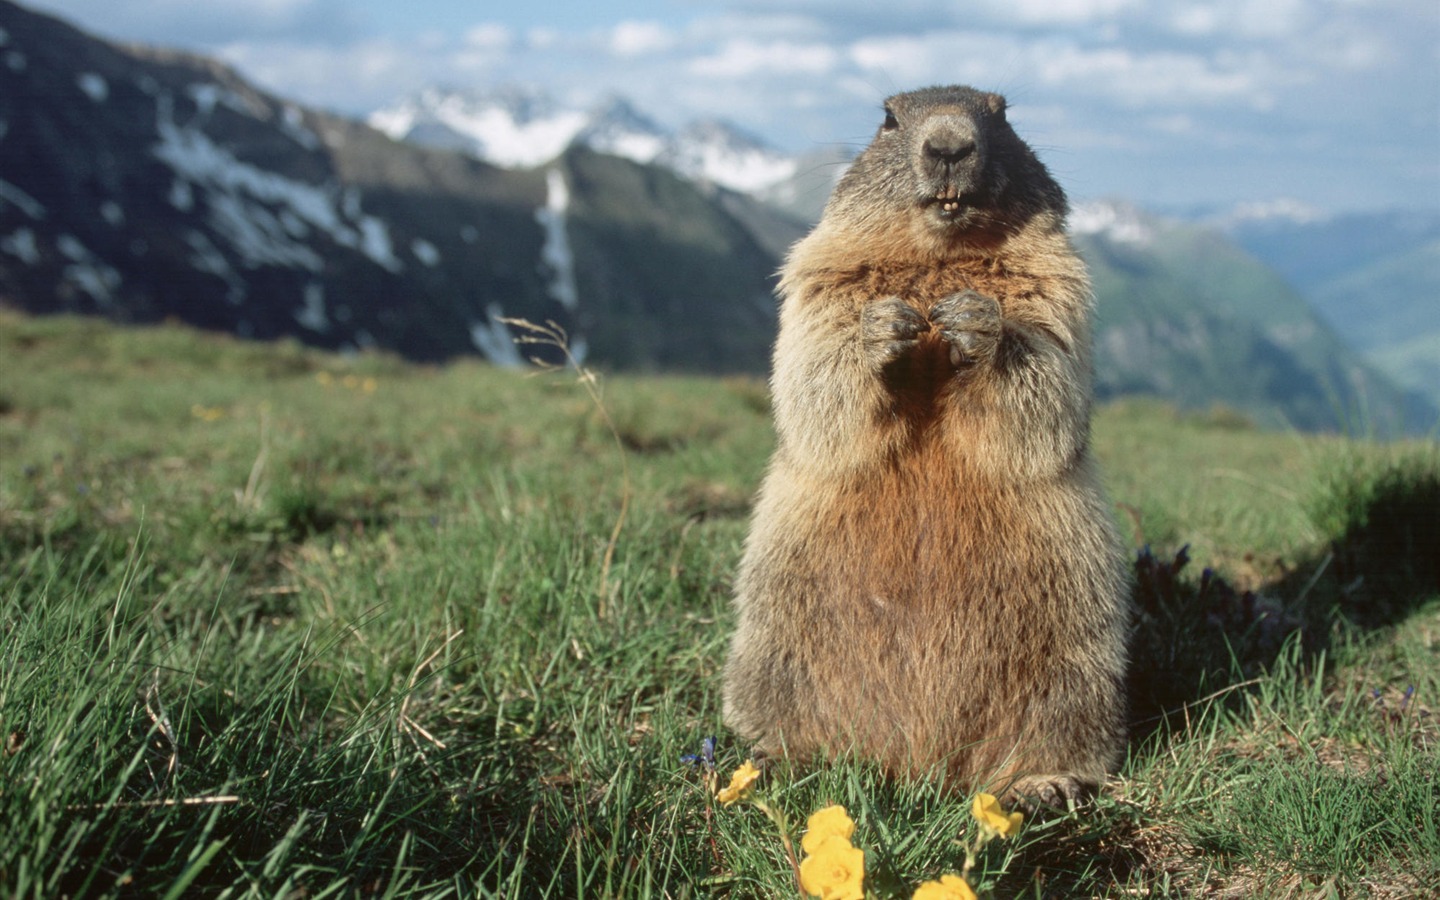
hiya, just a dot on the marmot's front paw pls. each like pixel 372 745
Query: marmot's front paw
pixel 890 328
pixel 970 322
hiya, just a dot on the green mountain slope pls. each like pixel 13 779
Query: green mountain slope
pixel 1375 277
pixel 1187 314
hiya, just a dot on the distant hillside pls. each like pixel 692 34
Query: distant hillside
pixel 1375 277
pixel 1187 314
pixel 146 185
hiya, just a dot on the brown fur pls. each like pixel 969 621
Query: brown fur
pixel 932 579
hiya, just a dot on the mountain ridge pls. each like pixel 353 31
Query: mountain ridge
pixel 522 126
pixel 148 184
pixel 154 184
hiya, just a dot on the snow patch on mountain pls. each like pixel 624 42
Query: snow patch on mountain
pixel 492 337
pixel 555 254
pixel 617 128
pixel 94 86
pixel 87 272
pixel 292 122
pixel 22 245
pixel 206 257
pixel 207 96
pixel 312 314
pixel 246 203
pixel 11 194
pixel 426 252
pixel 717 152
pixel 642 148
pixel 511 129
pixel 374 242
pixel 181 195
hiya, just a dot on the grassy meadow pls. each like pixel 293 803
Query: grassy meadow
pixel 279 623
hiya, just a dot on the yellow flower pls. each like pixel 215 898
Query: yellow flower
pixel 740 784
pixel 369 385
pixel 325 378
pixel 207 413
pixel 834 871
pixel 832 821
pixel 949 887
pixel 990 816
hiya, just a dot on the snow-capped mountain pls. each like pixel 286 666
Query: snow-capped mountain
pixel 619 129
pixel 523 127
pixel 712 150
pixel 513 127
pixel 1115 220
pixel 141 185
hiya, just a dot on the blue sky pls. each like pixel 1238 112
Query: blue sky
pixel 1334 104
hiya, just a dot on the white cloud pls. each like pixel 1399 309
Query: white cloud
pixel 1058 12
pixel 742 58
pixel 916 15
pixel 1114 73
pixel 939 57
pixel 1241 18
pixel 1166 79
pixel 489 36
pixel 639 38
pixel 544 38
pixel 717 28
pixel 1176 123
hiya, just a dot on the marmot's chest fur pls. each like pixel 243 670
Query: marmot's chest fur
pixel 931 517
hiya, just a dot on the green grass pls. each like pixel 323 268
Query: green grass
pixel 281 623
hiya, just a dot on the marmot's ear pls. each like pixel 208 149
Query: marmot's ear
pixel 996 104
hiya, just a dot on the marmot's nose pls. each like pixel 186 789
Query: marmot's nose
pixel 948 146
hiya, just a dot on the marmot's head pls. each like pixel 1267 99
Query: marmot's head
pixel 946 160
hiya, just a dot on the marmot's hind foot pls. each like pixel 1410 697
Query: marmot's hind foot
pixel 1036 793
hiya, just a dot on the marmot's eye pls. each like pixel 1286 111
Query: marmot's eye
pixel 891 123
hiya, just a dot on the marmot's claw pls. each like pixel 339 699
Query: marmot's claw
pixel 1037 793
pixel 970 322
pixel 890 327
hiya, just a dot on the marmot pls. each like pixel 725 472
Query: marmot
pixel 932 577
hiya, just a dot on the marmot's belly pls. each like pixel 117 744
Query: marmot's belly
pixel 921 616
pixel 915 593
pixel 909 544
